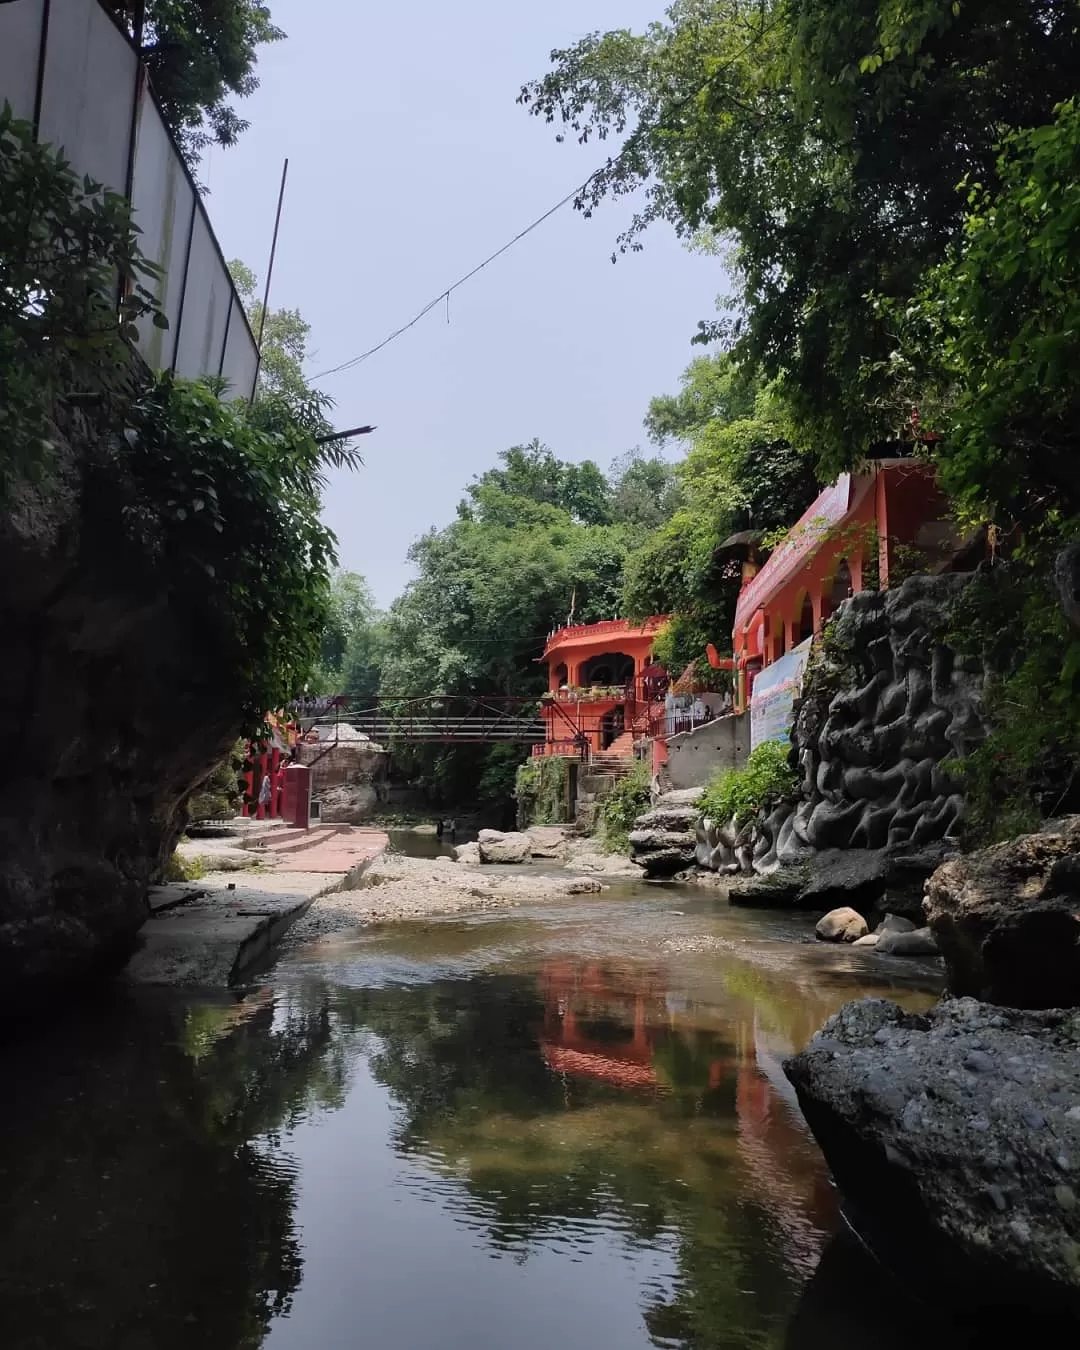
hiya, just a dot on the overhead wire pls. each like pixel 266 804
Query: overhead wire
pixel 535 224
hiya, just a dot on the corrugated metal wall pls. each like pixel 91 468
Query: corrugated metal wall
pixel 68 68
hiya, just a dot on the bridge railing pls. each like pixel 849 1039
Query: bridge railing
pixel 68 67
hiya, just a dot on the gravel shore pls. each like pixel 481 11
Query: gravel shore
pixel 396 888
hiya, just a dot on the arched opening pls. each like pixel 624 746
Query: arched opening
pixel 781 640
pixel 841 587
pixel 560 675
pixel 804 625
pixel 608 668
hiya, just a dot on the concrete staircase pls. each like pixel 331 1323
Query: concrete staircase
pixel 617 760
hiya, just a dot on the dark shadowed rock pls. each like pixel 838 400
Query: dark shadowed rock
pixel 121 699
pixel 1007 919
pixel 865 878
pixel 955 1138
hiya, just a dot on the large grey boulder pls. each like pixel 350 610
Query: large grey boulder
pixel 955 1138
pixel 497 847
pixel 1007 919
pixel 547 841
pixel 469 854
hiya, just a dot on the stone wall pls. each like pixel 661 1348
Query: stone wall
pixel 886 707
pixel 348 778
pixel 695 756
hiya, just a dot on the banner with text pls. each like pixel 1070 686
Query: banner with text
pixel 773 697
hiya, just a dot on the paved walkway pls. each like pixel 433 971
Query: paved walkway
pixel 323 848
pixel 209 931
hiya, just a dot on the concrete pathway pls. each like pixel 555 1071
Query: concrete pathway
pixel 208 932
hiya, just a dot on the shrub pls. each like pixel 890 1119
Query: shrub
pixel 221 795
pixel 739 794
pixel 1029 764
pixel 184 869
pixel 541 789
pixel 618 811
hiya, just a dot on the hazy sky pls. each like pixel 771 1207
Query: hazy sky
pixel 409 162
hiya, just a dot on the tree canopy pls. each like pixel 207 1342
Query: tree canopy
pixel 285 335
pixel 822 142
pixel 740 473
pixel 200 54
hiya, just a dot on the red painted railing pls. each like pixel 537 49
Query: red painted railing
pixel 621 626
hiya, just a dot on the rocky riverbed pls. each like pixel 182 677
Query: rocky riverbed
pixel 396 888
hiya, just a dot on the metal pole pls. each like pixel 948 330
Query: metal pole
pixel 270 272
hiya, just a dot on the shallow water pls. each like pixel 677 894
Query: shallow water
pixel 563 1125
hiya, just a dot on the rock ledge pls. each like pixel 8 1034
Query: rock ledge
pixel 959 1133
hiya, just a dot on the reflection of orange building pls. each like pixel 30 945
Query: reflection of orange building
pixel 782 1162
pixel 863 523
pixel 599 688
pixel 608 1025
pixel 594 1027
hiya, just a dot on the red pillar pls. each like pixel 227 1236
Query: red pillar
pixel 273 771
pixel 298 795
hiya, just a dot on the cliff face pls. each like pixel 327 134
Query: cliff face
pixel 117 705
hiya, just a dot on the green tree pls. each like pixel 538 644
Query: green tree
pixel 820 141
pixel 536 540
pixel 531 473
pixel 350 659
pixel 644 491
pixel 992 341
pixel 740 472
pixel 285 335
pixel 199 54
pixel 991 344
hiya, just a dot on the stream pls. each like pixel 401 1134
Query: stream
pixel 563 1125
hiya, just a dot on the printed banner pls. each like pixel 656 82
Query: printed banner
pixel 773 697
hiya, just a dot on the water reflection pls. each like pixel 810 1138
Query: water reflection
pixel 140 1203
pixel 556 1148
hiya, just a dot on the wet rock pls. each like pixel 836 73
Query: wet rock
pixel 648 841
pixel 1007 919
pixel 583 886
pixel 780 888
pixel 496 847
pixel 601 864
pixel 867 940
pixel 841 925
pixel 663 840
pixel 866 877
pixel 894 923
pixel 927 1124
pixel 917 942
pixel 663 862
pixel 679 819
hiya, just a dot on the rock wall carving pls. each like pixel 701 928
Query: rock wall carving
pixel 886 706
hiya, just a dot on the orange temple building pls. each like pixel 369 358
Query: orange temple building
pixel 864 529
pixel 603 690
